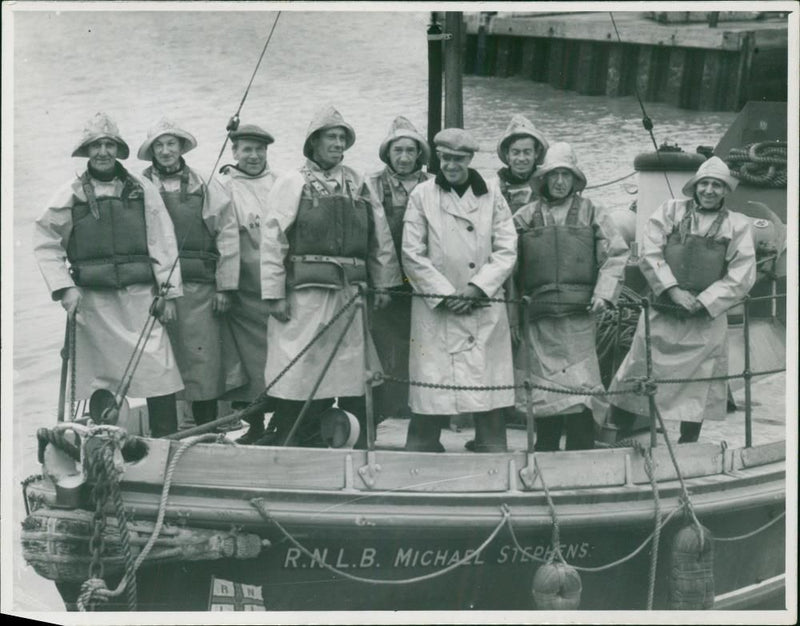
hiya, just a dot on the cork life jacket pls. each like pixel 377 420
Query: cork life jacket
pixel 329 240
pixel 517 195
pixel 107 247
pixel 196 248
pixel 696 261
pixel 558 264
pixel 395 211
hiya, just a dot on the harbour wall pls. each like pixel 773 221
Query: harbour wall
pixel 689 65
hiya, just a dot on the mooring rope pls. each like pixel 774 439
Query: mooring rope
pixel 753 532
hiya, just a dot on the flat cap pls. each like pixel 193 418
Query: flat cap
pixel 251 131
pixel 455 141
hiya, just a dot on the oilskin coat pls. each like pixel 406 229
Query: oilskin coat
pixel 694 347
pixel 448 242
pixel 109 321
pixel 562 349
pixel 206 222
pixel 312 307
pixel 246 330
pixel 391 327
pixel 517 194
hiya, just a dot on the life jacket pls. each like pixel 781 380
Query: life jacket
pixel 395 212
pixel 558 264
pixel 517 195
pixel 196 248
pixel 696 261
pixel 107 246
pixel 329 240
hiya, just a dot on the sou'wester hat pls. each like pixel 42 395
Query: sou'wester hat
pixel 165 127
pixel 520 126
pixel 560 154
pixel 328 117
pixel 99 127
pixel 455 141
pixel 401 127
pixel 253 132
pixel 713 168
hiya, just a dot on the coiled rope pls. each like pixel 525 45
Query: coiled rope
pixel 760 164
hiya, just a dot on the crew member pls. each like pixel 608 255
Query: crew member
pixel 404 151
pixel 458 243
pixel 521 149
pixel 105 246
pixel 324 233
pixel 571 264
pixel 248 183
pixel 699 260
pixel 208 247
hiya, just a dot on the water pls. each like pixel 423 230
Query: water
pixel 193 66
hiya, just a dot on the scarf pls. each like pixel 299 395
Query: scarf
pixel 474 180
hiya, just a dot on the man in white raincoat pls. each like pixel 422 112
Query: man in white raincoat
pixel 521 149
pixel 208 246
pixel 405 151
pixel 249 183
pixel 699 260
pixel 571 265
pixel 458 240
pixel 324 233
pixel 105 245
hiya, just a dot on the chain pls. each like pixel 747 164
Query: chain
pixel 111 475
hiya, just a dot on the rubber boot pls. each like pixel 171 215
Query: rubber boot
pixel 204 411
pixel 423 433
pixel 548 433
pixel 580 430
pixel 624 421
pixel 162 413
pixel 490 431
pixel 690 432
pixel 255 430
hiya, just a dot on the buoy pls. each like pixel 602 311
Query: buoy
pixel 557 587
pixel 691 573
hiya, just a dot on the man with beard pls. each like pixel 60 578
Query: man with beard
pixel 105 246
pixel 323 235
pixel 404 151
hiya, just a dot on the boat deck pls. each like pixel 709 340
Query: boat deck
pixel 769 423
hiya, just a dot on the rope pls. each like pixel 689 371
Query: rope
pixel 761 164
pixel 611 182
pixel 646 121
pixel 555 539
pixel 751 533
pixel 95 589
pixel 598 568
pixel 258 504
pixel 650 470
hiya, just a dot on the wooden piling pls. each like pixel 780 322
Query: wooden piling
pixel 645 70
pixel 614 72
pixel 674 80
pixel 503 66
pixel 556 64
pixel 529 59
pixel 709 96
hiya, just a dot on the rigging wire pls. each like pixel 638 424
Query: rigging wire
pixel 144 335
pixel 646 121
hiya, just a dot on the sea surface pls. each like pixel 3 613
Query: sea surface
pixel 193 66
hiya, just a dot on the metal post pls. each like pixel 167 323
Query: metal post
pixel 651 399
pixel 453 100
pixel 62 387
pixel 363 305
pixel 529 422
pixel 748 424
pixel 434 87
